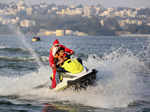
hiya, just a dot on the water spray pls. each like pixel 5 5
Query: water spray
pixel 21 37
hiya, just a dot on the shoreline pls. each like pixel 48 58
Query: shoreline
pixel 135 35
pixel 123 35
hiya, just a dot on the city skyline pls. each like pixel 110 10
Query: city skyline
pixel 47 19
pixel 105 3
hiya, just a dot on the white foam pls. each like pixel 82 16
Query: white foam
pixel 3 47
pixel 116 83
pixel 21 37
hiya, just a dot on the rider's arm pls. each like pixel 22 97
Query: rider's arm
pixel 60 61
pixel 67 49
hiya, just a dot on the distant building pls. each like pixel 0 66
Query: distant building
pixel 29 11
pixel 60 32
pixel 102 22
pixel 21 5
pixel 105 13
pixel 68 32
pixel 44 32
pixel 6 21
pixel 86 11
pixel 54 8
pixel 43 5
pixel 68 11
pixel 77 33
pixel 1 11
pixel 14 21
pixel 119 33
pixel 130 21
pixel 148 24
pixel 27 23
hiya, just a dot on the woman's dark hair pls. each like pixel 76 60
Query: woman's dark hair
pixel 59 49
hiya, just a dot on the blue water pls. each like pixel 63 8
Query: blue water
pixel 122 84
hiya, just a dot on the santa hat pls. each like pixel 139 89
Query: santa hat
pixel 55 42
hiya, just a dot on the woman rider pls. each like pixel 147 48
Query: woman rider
pixel 53 50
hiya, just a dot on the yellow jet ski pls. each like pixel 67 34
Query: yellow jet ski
pixel 75 76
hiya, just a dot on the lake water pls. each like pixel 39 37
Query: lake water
pixel 122 84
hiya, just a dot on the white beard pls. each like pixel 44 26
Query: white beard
pixel 54 50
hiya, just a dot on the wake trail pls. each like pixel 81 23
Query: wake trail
pixel 117 83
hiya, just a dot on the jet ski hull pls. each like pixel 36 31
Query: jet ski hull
pixel 78 81
pixel 83 81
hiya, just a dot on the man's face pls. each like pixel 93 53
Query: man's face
pixel 56 45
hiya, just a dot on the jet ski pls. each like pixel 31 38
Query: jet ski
pixel 75 75
pixel 35 39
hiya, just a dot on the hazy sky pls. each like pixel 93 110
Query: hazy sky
pixel 105 3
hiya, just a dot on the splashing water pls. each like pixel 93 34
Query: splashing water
pixel 117 84
pixel 22 39
pixel 20 36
